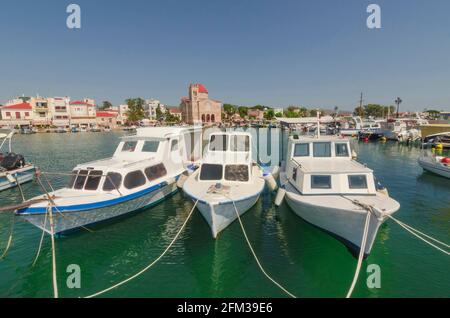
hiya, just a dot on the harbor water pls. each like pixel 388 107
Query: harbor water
pixel 304 259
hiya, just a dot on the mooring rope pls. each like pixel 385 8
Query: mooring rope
pixel 362 250
pixel 52 235
pixel 11 232
pixel 412 230
pixel 255 256
pixel 40 243
pixel 152 263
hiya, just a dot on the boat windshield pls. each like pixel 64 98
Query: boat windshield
pixel 322 149
pixel 239 143
pixel 341 150
pixel 112 182
pixel 93 180
pixel 150 146
pixel 211 172
pixel 236 173
pixel 218 143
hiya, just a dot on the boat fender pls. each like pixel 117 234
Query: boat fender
pixel 439 147
pixel 181 180
pixel 276 172
pixel 271 183
pixel 280 196
pixel 354 154
pixel 445 160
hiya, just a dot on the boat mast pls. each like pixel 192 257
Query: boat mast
pixel 318 123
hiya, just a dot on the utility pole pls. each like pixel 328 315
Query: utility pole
pixel 398 101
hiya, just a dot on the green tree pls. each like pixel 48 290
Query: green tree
pixel 229 110
pixel 269 114
pixel 159 113
pixel 171 118
pixel 242 111
pixel 135 111
pixel 106 105
pixel 279 114
pixel 433 114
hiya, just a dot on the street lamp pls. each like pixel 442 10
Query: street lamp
pixel 398 101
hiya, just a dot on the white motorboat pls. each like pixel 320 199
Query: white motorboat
pixel 143 171
pixel 323 185
pixel 227 177
pixel 436 164
pixel 14 170
pixel 399 130
pixel 358 126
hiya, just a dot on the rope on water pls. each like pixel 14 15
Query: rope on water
pixel 11 232
pixel 256 257
pixel 414 232
pixel 40 243
pixel 152 263
pixel 361 255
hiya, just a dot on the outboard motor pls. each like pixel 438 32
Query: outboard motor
pixel 12 161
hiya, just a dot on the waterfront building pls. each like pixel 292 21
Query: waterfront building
pixel 150 107
pixel 255 114
pixel 59 109
pixel 197 107
pixel 106 118
pixel 82 113
pixel 123 114
pixel 41 114
pixel 176 112
pixel 16 115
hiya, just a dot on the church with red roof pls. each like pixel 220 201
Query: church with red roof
pixel 199 108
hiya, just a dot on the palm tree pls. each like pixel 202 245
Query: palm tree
pixel 398 101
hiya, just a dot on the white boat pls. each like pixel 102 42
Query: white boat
pixel 227 176
pixel 400 131
pixel 436 164
pixel 143 171
pixel 14 170
pixel 327 188
pixel 358 126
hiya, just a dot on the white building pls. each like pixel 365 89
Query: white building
pixel 14 115
pixel 59 108
pixel 82 113
pixel 150 108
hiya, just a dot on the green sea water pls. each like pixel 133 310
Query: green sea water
pixel 307 261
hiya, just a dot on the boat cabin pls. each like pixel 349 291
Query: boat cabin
pixel 325 166
pixel 140 161
pixel 228 158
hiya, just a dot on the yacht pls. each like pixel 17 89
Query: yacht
pixel 327 188
pixel 358 126
pixel 228 181
pixel 14 170
pixel 143 171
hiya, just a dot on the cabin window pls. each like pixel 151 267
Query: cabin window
pixel 320 182
pixel 93 180
pixel 236 173
pixel 211 172
pixel 218 143
pixel 174 146
pixel 129 146
pixel 240 143
pixel 81 178
pixel 301 150
pixel 155 172
pixel 357 182
pixel 341 150
pixel 73 177
pixel 112 182
pixel 294 174
pixel 134 179
pixel 150 146
pixel 322 149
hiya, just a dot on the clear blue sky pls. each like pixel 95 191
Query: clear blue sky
pixel 247 52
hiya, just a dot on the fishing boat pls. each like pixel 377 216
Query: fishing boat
pixel 61 130
pixel 327 188
pixel 14 170
pixel 358 126
pixel 143 171
pixel 436 164
pixel 228 181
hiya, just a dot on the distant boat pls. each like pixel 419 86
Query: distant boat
pixel 27 131
pixel 61 130
pixel 360 125
pixel 95 129
pixel 74 129
pixel 14 169
pixel 83 129
pixel 106 129
pixel 436 164
pixel 142 172
pixel 436 139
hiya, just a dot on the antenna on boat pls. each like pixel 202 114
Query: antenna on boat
pixel 318 123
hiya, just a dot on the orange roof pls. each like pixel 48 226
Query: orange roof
pixel 201 88
pixel 79 102
pixel 105 114
pixel 26 106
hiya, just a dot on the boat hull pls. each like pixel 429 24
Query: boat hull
pixel 346 225
pixel 68 221
pixel 434 167
pixel 220 215
pixel 23 175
